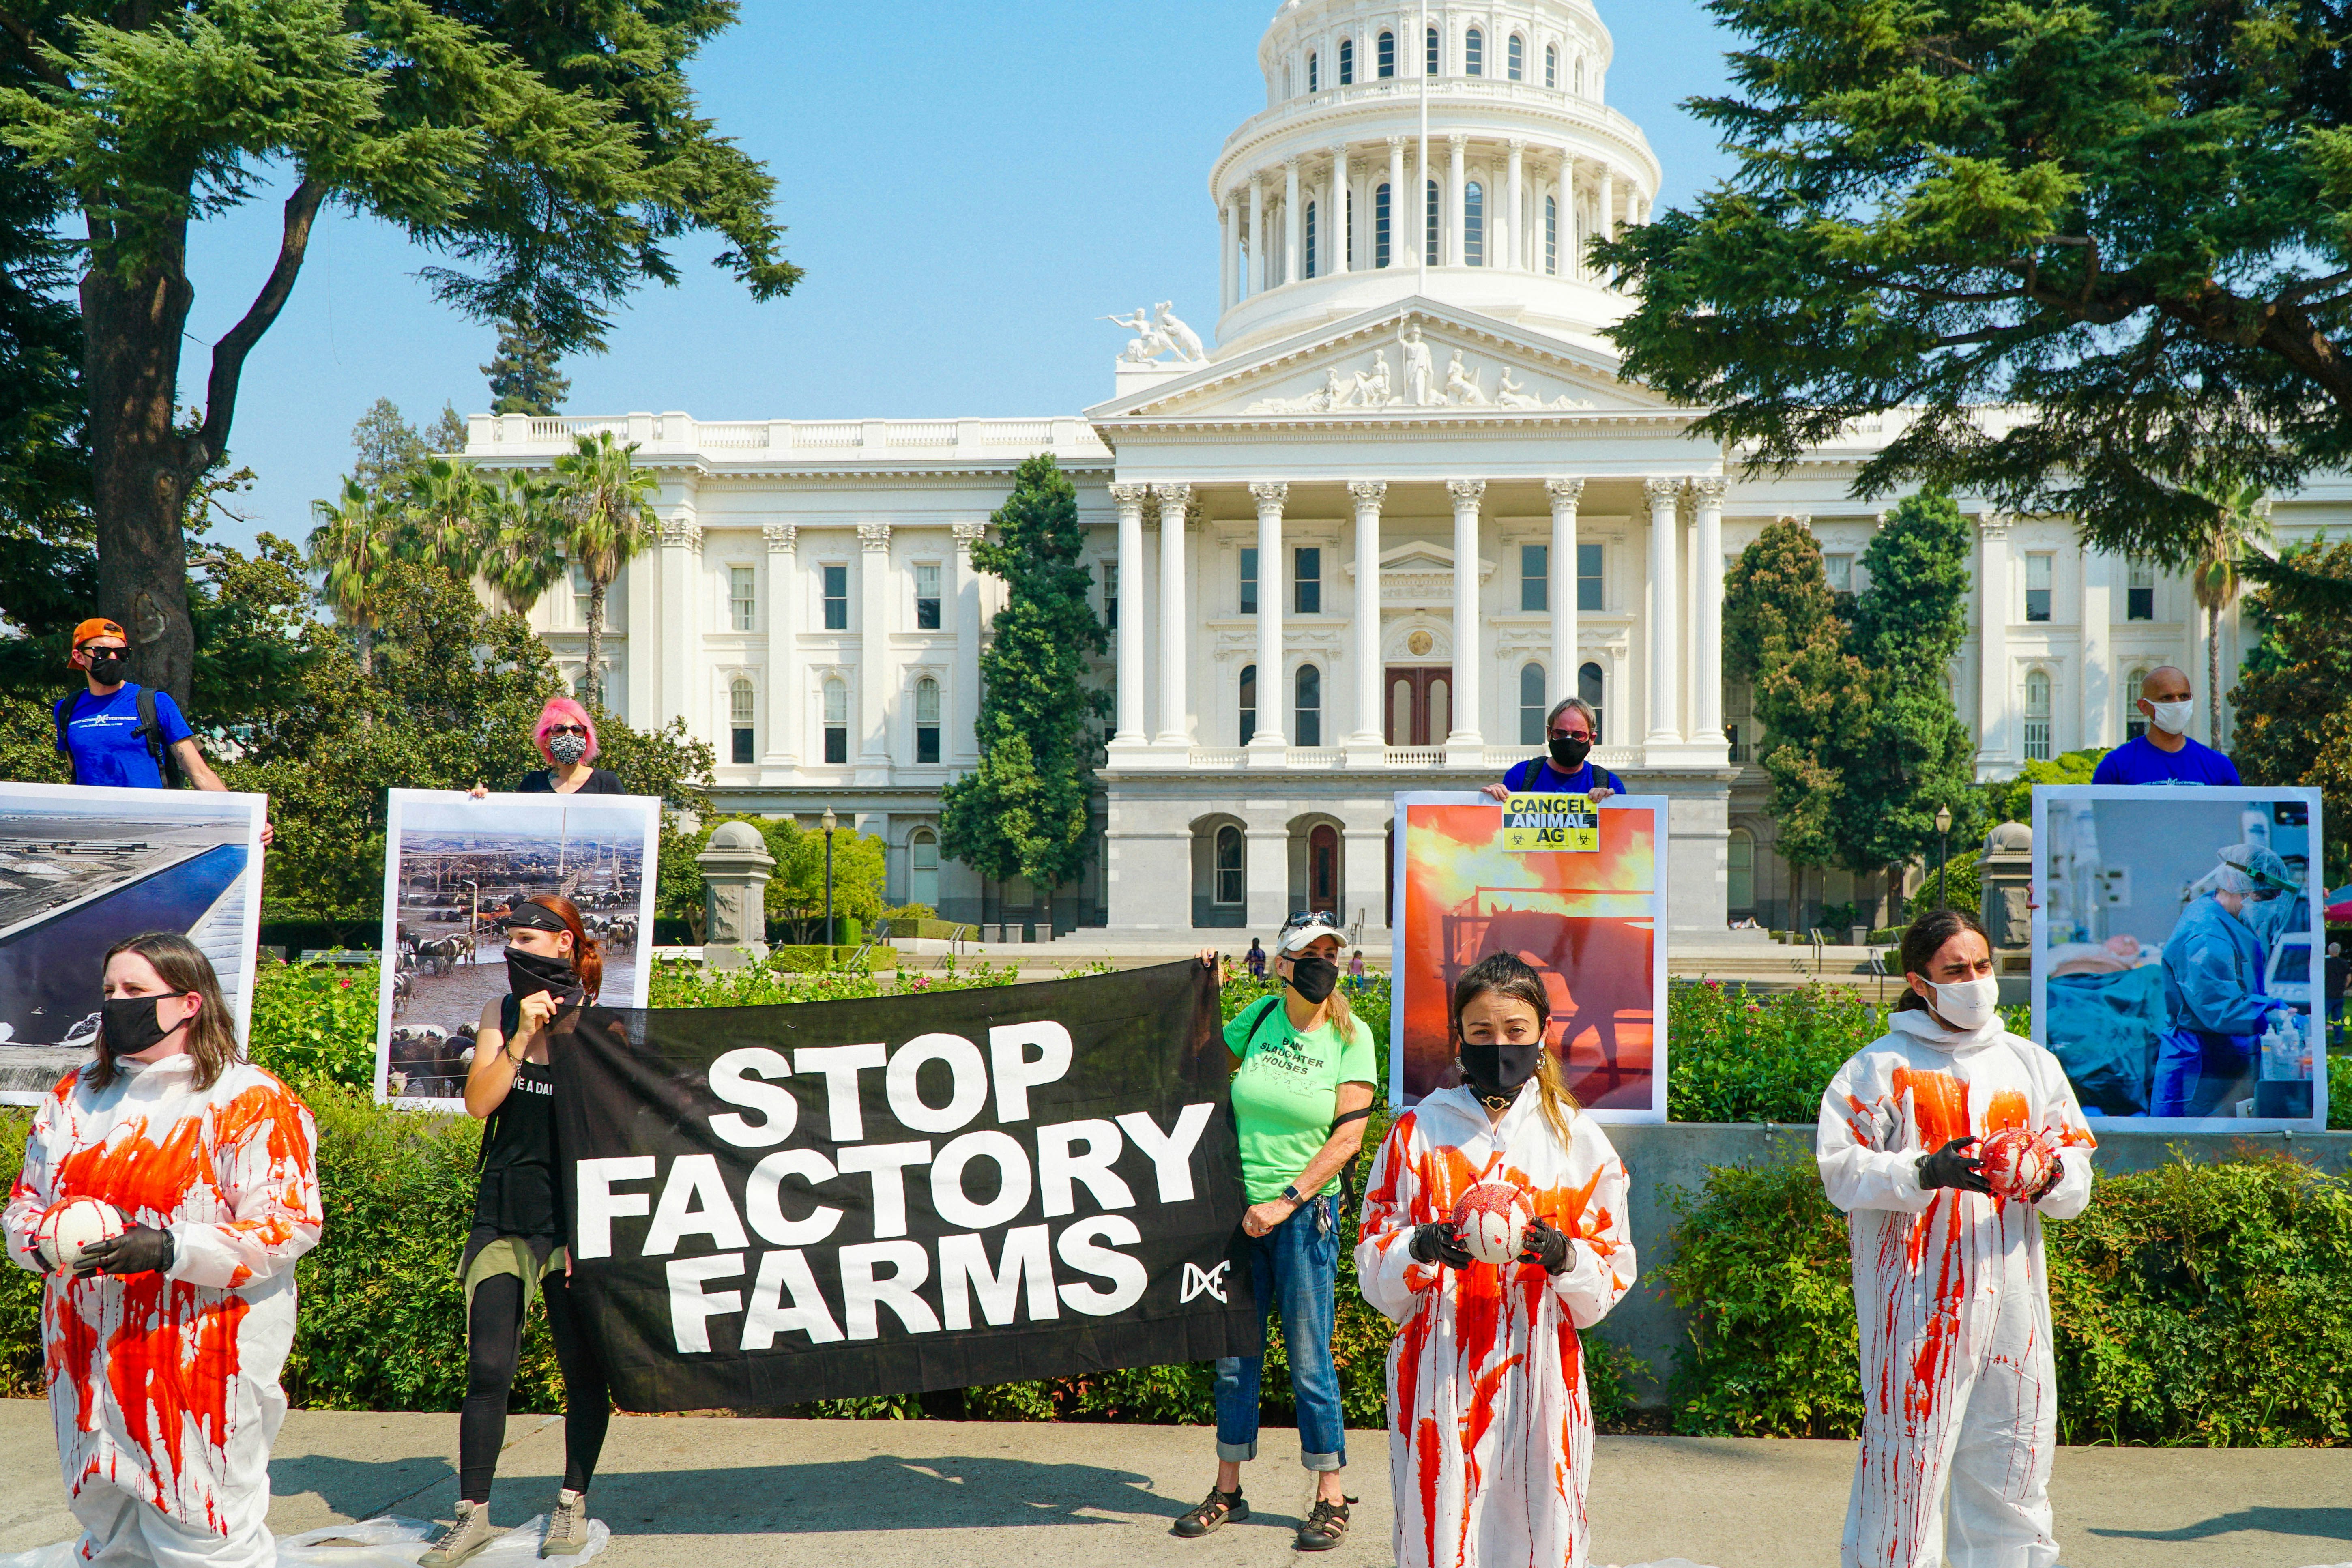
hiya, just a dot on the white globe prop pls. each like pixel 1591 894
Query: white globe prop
pixel 1492 1220
pixel 2017 1161
pixel 73 1225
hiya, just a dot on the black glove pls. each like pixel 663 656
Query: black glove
pixel 1439 1242
pixel 1545 1246
pixel 1952 1166
pixel 141 1249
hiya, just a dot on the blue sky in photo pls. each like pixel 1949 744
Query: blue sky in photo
pixel 967 191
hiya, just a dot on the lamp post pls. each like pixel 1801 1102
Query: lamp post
pixel 1943 826
pixel 830 821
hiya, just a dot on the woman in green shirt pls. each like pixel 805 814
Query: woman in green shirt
pixel 1304 1077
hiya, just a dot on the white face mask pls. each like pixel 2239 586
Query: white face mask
pixel 1967 1005
pixel 2172 718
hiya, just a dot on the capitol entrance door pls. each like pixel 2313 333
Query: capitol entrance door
pixel 1420 706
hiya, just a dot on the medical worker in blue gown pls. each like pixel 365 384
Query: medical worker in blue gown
pixel 2213 968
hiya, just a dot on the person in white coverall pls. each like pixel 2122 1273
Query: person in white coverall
pixel 162 1353
pixel 1490 1423
pixel 1949 1285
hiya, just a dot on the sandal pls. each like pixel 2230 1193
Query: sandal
pixel 1219 1509
pixel 1326 1526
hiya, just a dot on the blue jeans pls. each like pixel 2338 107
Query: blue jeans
pixel 2194 1071
pixel 1294 1266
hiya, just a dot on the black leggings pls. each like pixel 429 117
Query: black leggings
pixel 493 1345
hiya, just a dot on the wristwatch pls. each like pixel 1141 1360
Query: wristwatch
pixel 1291 1192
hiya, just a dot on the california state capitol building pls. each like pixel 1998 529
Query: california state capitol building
pixel 1355 539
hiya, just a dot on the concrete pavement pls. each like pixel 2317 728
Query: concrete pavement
pixel 715 1493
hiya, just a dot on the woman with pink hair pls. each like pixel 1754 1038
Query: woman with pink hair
pixel 566 737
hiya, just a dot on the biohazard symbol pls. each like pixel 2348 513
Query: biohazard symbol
pixel 1197 1280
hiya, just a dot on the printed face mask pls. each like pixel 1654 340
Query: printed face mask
pixel 2172 718
pixel 132 1026
pixel 1313 976
pixel 528 973
pixel 106 666
pixel 1569 750
pixel 1497 1072
pixel 567 748
pixel 1967 1005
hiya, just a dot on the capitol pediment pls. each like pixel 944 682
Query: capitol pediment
pixel 1417 361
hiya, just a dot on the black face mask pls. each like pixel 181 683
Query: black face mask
pixel 132 1026
pixel 528 973
pixel 1496 1072
pixel 107 667
pixel 1569 750
pixel 1313 976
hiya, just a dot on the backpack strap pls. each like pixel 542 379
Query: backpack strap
pixel 150 729
pixel 1263 1008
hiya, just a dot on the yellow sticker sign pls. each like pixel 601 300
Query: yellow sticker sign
pixel 1560 824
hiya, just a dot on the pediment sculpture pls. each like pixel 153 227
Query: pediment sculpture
pixel 1416 384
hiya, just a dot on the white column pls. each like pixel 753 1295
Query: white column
pixel 1565 494
pixel 874 675
pixel 1664 591
pixel 1129 499
pixel 1992 640
pixel 1269 736
pixel 1290 221
pixel 1707 565
pixel 681 654
pixel 1686 563
pixel 1466 745
pixel 1367 742
pixel 1456 148
pixel 1513 194
pixel 786 682
pixel 1402 207
pixel 2098 682
pixel 1569 260
pixel 1175 717
pixel 1607 228
pixel 1227 294
pixel 1336 222
pixel 1260 254
pixel 963 691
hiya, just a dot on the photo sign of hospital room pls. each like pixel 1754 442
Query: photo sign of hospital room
pixel 2177 954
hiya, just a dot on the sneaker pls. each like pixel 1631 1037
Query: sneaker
pixel 1326 1526
pixel 462 1539
pixel 1219 1510
pixel 567 1527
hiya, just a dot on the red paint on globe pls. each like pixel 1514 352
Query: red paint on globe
pixel 1492 1220
pixel 2017 1161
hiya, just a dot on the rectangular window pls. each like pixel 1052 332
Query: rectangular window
pixel 1310 239
pixel 926 595
pixel 1838 570
pixel 2139 594
pixel 926 721
pixel 1588 577
pixel 1535 576
pixel 1386 56
pixel 1517 59
pixel 836 598
pixel 1249 580
pixel 2037 587
pixel 1552 235
pixel 739 702
pixel 742 605
pixel 837 721
pixel 580 590
pixel 1429 50
pixel 1307 587
pixel 1429 218
pixel 1110 595
pixel 1380 227
pixel 1347 61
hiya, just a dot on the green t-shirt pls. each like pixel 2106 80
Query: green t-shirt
pixel 1282 1091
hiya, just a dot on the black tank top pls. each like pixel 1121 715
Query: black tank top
pixel 517 1192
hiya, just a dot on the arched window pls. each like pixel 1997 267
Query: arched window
pixel 1740 872
pixel 1590 687
pixel 1552 65
pixel 1314 72
pixel 1310 239
pixel 1385 60
pixel 2135 721
pixel 1429 52
pixel 1229 883
pixel 1429 215
pixel 1531 705
pixel 1247 695
pixel 1323 867
pixel 585 692
pixel 1347 61
pixel 1381 226
pixel 745 731
pixel 926 721
pixel 1515 59
pixel 1474 224
pixel 1306 728
pixel 2037 716
pixel 923 868
pixel 837 719
pixel 1551 233
pixel 1474 53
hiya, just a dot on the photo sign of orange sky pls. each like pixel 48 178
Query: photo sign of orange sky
pixel 1592 924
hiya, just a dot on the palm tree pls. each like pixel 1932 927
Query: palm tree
pixel 451 510
pixel 524 553
pixel 354 545
pixel 607 520
pixel 2241 523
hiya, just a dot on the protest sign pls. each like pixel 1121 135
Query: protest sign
pixel 1559 824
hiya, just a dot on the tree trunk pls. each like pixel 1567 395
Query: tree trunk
pixel 596 642
pixel 364 640
pixel 2213 676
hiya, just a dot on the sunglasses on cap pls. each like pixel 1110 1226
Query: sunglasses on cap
pixel 1307 925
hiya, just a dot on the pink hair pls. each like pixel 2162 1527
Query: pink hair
pixel 562 710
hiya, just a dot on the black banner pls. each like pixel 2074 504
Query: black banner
pixel 776 1204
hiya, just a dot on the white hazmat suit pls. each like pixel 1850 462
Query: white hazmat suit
pixel 1958 1380
pixel 163 1387
pixel 1490 1425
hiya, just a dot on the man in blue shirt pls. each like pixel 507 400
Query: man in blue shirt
pixel 2166 754
pixel 1570 730
pixel 101 733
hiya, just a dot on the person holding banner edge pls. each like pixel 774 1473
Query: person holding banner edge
pixel 1304 1077
pixel 518 1246
pixel 1570 731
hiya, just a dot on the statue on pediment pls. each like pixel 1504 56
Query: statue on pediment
pixel 1461 386
pixel 1183 340
pixel 1420 370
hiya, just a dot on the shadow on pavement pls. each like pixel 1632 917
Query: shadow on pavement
pixel 357 1489
pixel 2320 1524
pixel 877 1492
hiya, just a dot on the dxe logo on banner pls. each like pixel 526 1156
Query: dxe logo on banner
pixel 1198 1280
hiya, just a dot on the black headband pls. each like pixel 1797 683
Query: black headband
pixel 536 917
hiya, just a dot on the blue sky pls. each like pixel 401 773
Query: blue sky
pixel 966 193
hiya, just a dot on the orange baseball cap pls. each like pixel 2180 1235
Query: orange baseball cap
pixel 98 627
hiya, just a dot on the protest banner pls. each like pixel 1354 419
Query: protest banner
pixel 2178 954
pixel 1473 878
pixel 454 869
pixel 83 867
pixel 930 1190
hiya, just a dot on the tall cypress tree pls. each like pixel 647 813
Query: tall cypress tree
pixel 1024 811
pixel 523 377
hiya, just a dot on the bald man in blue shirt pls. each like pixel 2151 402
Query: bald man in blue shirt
pixel 2166 754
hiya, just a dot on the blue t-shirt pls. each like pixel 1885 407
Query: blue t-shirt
pixel 104 738
pixel 1538 776
pixel 2140 762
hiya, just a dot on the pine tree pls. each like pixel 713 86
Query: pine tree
pixel 1025 811
pixel 523 378
pixel 387 445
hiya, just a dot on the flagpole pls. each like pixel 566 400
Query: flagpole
pixel 1421 187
